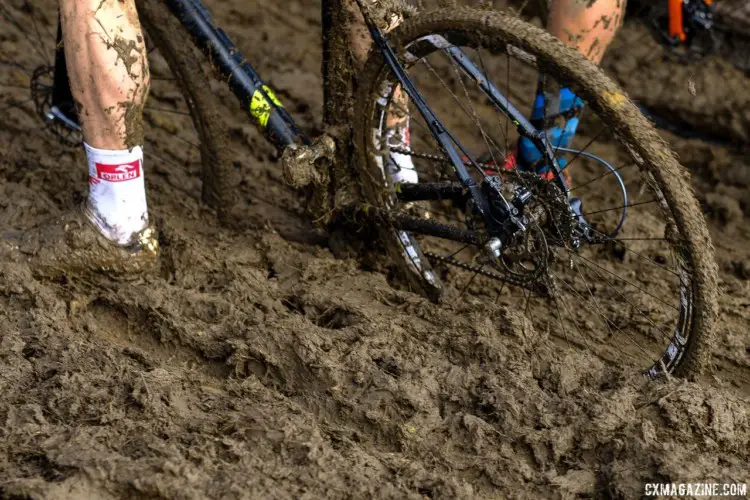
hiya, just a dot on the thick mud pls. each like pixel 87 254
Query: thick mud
pixel 255 364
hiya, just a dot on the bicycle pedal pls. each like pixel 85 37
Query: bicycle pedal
pixel 416 209
pixel 309 165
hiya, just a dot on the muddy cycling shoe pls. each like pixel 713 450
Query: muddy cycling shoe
pixel 558 116
pixel 70 244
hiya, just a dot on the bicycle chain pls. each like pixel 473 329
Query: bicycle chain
pixel 536 287
pixel 533 286
pixel 437 158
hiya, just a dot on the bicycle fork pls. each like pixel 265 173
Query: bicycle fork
pixel 490 187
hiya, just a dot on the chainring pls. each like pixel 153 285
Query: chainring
pixel 524 262
pixel 42 86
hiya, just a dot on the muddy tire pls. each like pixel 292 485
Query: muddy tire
pixel 651 154
pixel 175 45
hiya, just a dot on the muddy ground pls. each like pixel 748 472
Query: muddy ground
pixel 257 365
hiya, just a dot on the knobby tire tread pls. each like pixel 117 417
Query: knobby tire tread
pixel 175 45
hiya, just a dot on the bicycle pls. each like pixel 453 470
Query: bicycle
pixel 693 30
pixel 682 22
pixel 505 227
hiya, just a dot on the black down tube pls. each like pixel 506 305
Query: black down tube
pixel 257 99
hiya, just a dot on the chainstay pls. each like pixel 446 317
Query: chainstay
pixel 534 287
pixel 435 158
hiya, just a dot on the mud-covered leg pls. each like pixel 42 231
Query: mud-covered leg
pixel 108 70
pixel 109 79
pixel 587 25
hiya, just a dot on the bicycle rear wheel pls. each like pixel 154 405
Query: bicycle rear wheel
pixel 179 88
pixel 642 292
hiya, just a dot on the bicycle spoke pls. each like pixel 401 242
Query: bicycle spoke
pixel 164 110
pixel 16 104
pixel 447 88
pixel 457 251
pixel 640 239
pixel 527 300
pixel 39 38
pixel 632 306
pixel 503 127
pixel 627 249
pixel 608 172
pixel 629 205
pixel 15 23
pixel 570 253
pixel 573 254
pixel 14 64
pixel 559 316
pixel 10 86
pixel 627 282
pixel 585 148
pixel 473 110
pixel 189 143
pixel 591 294
pixel 500 293
pixel 468 283
pixel 608 323
pixel 575 324
pixel 568 250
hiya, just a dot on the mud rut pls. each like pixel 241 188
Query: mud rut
pixel 257 365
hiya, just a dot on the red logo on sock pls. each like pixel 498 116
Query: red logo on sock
pixel 120 172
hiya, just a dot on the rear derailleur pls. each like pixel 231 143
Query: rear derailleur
pixel 527 220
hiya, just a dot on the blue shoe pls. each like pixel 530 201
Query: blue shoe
pixel 568 106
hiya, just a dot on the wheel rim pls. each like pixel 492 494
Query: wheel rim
pixel 667 343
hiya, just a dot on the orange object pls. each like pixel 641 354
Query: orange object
pixel 676 27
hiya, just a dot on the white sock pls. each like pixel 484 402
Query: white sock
pixel 401 166
pixel 117 193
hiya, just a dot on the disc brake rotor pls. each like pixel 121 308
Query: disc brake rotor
pixel 524 259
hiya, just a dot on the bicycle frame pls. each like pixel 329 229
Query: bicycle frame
pixel 261 104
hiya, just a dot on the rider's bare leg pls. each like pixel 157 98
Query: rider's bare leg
pixel 587 25
pixel 109 78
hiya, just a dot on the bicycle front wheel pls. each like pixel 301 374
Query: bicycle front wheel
pixel 641 290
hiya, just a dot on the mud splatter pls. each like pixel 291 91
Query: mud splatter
pixel 125 49
pixel 254 364
pixel 132 119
